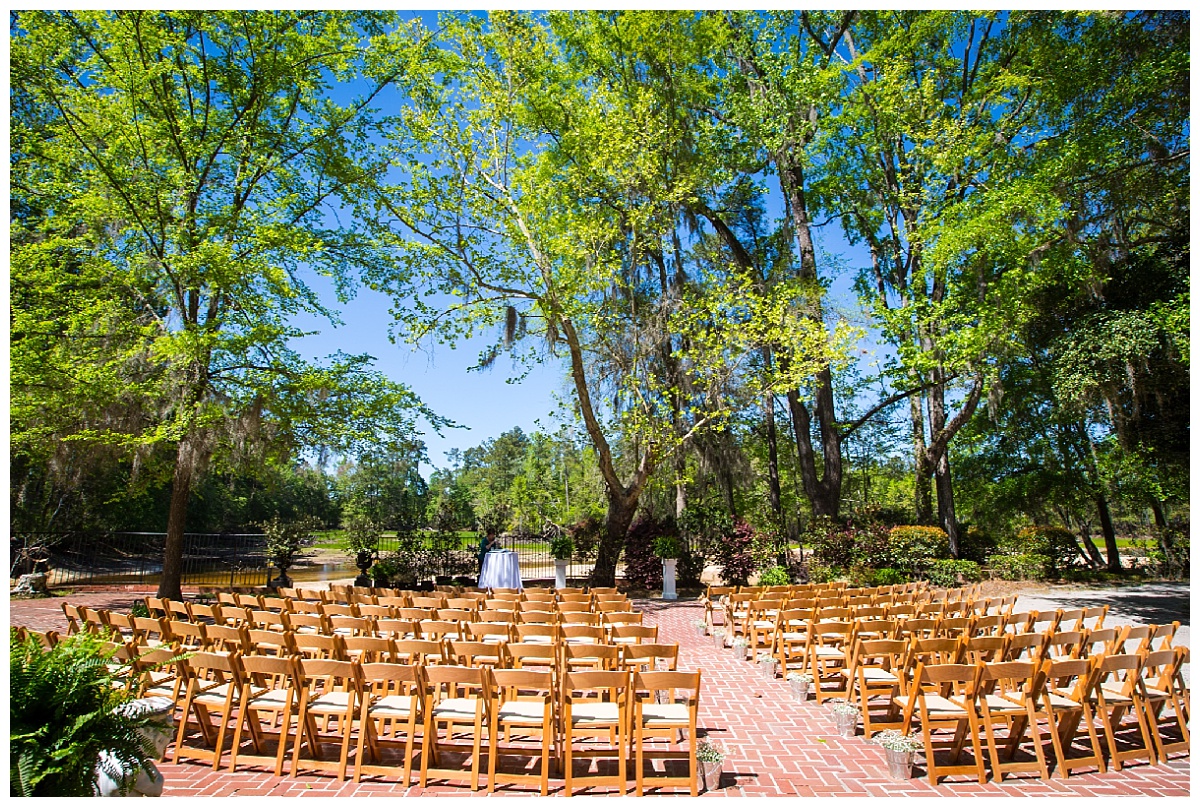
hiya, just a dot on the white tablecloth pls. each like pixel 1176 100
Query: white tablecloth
pixel 500 570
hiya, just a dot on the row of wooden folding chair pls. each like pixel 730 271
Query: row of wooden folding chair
pixel 387 700
pixel 1065 694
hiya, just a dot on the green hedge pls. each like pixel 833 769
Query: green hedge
pixel 946 572
pixel 1030 566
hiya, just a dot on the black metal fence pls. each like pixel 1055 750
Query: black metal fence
pixel 77 558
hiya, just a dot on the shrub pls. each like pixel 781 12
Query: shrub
pixel 832 543
pixel 775 576
pixel 820 573
pixel 689 569
pixel 1019 567
pixel 362 535
pixel 736 554
pixel 976 544
pixel 643 569
pixel 1056 544
pixel 889 577
pixel 64 709
pixel 706 525
pixel 1171 553
pixel 947 572
pixel 285 539
pixel 914 548
pixel 562 547
pixel 667 547
pixel 585 535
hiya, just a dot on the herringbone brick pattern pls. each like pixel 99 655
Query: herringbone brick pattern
pixel 776 746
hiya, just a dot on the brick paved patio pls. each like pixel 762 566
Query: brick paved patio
pixel 776 746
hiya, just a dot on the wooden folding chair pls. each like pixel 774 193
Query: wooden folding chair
pixel 331 690
pixel 213 688
pixel 458 698
pixel 522 655
pixel 645 657
pixel 943 697
pixel 315 646
pixel 829 648
pixel 425 652
pixel 269 686
pixel 370 649
pixel 590 656
pixel 1012 692
pixel 1162 683
pixel 523 704
pixel 595 705
pixel 664 716
pixel 491 632
pixel 268 643
pixel 476 654
pixel 537 633
pixel 878 671
pixel 391 714
pixel 1120 690
pixel 791 638
pixel 1069 684
pixel 577 633
pixel 398 629
pixel 633 634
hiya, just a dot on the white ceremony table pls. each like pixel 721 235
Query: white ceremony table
pixel 500 570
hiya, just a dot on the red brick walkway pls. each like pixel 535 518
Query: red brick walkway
pixel 776 746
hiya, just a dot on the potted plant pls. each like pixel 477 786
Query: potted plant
pixel 800 684
pixel 845 716
pixel 670 549
pixel 362 543
pixel 701 627
pixel 561 549
pixel 718 637
pixel 766 664
pixel 898 750
pixel 68 711
pixel 710 759
pixel 741 648
pixel 285 539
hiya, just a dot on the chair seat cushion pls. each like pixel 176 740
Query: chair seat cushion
pixel 330 703
pixel 939 708
pixel 1062 702
pixel 391 706
pixel 456 708
pixel 270 698
pixel 998 703
pixel 213 697
pixel 664 714
pixel 584 713
pixel 521 711
pixel 874 675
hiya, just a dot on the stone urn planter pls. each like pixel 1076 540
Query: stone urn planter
pixel 363 560
pixel 133 780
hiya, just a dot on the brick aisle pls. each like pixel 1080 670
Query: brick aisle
pixel 776 746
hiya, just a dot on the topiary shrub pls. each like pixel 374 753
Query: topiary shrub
pixel 947 573
pixel 1056 544
pixel 913 548
pixel 774 576
pixel 1019 567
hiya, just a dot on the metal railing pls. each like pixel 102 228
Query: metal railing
pixel 135 558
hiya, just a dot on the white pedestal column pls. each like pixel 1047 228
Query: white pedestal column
pixel 560 573
pixel 669 579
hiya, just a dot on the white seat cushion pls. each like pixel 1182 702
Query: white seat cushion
pixel 271 699
pixel 583 713
pixel 330 703
pixel 456 708
pixel 522 711
pixel 664 714
pixel 391 706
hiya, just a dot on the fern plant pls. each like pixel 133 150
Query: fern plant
pixel 64 709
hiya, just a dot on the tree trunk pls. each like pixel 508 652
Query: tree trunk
pixel 1110 535
pixel 824 501
pixel 621 510
pixel 1160 515
pixel 774 490
pixel 1089 546
pixel 187 462
pixel 945 498
pixel 922 488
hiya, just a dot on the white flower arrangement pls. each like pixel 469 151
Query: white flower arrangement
pixel 739 641
pixel 709 753
pixel 764 656
pixel 798 676
pixel 843 708
pixel 894 740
